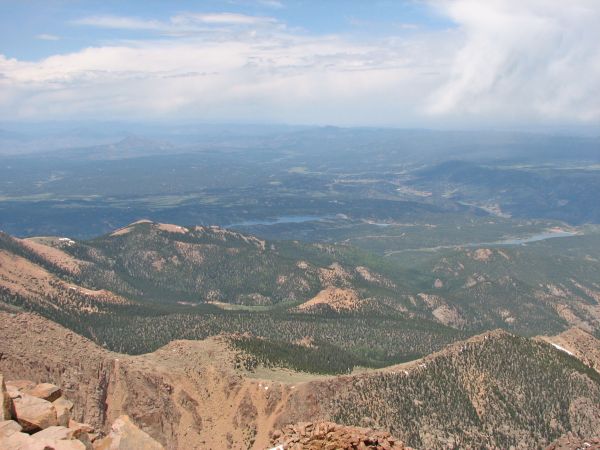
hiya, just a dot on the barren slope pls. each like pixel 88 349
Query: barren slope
pixel 579 343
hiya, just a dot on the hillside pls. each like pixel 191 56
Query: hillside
pixel 578 343
pixel 159 262
pixel 495 389
pixel 165 282
pixel 160 282
pixel 534 288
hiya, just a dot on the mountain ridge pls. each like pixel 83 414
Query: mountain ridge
pixel 200 391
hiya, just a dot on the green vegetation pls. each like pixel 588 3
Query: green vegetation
pixel 198 282
pixel 322 358
pixel 499 392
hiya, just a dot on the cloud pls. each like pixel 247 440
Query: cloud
pixel 185 22
pixel 504 62
pixel 523 60
pixel 279 77
pixel 47 37
pixel 408 26
pixel 230 18
pixel 119 22
pixel 271 3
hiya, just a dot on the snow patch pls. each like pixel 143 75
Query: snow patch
pixel 562 349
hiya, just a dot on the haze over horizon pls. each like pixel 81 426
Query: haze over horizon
pixel 526 65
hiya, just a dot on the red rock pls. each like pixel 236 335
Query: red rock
pixel 20 385
pixel 5 401
pixel 331 436
pixel 8 427
pixel 33 413
pixel 81 426
pixel 63 411
pixel 45 391
pixel 124 435
pixel 16 441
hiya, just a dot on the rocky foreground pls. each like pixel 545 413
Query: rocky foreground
pixel 331 436
pixel 38 417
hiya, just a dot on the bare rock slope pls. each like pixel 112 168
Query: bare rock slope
pixel 580 344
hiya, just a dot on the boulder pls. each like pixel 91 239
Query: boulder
pixel 57 444
pixel 20 385
pixel 124 435
pixel 5 401
pixel 16 441
pixel 63 409
pixel 16 387
pixel 57 433
pixel 81 426
pixel 34 413
pixel 8 427
pixel 45 391
pixel 12 391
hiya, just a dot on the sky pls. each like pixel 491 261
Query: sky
pixel 413 63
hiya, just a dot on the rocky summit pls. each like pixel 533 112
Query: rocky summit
pixel 37 417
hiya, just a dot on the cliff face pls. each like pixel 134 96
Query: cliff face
pixel 37 416
pixel 37 349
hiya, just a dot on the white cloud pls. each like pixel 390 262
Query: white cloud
pixel 120 23
pixel 506 61
pixel 249 73
pixel 186 22
pixel 47 37
pixel 228 18
pixel 271 3
pixel 523 60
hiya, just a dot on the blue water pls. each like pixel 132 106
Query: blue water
pixel 525 240
pixel 279 220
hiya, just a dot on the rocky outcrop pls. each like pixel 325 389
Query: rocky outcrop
pixel 331 436
pixel 5 402
pixel 39 424
pixel 39 350
pixel 35 412
pixel 570 442
pixel 124 435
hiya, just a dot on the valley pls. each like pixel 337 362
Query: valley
pixel 250 293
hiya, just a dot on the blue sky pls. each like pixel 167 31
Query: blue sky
pixel 451 63
pixel 32 30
